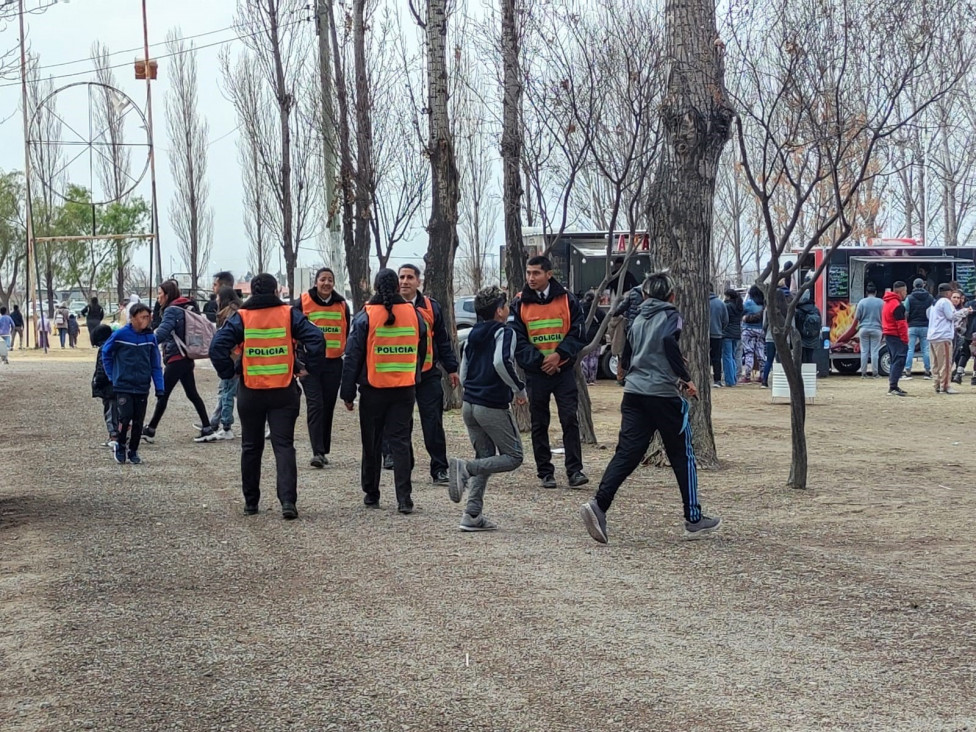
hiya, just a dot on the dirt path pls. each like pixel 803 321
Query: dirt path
pixel 139 598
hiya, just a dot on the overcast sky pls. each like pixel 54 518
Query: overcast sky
pixel 65 33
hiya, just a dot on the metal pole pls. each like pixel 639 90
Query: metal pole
pixel 322 15
pixel 153 250
pixel 31 283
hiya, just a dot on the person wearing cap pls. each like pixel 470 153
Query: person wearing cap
pixel 917 305
pixel 267 331
pixel 657 381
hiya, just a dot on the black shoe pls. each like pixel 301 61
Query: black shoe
pixel 371 501
pixel 149 434
pixel 318 461
pixel 957 379
pixel 405 507
pixel 250 510
pixel 549 481
pixel 288 511
pixel 440 478
pixel 896 392
pixel 387 462
pixel 577 479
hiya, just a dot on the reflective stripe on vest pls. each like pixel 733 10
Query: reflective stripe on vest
pixel 427 311
pixel 268 355
pixel 331 320
pixel 391 350
pixel 547 324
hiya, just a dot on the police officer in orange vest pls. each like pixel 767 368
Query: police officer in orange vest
pixel 384 357
pixel 267 330
pixel 430 393
pixel 327 310
pixel 549 324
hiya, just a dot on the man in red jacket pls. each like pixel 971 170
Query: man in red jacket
pixel 894 327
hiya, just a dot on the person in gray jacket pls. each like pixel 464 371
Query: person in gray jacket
pixel 718 321
pixel 868 316
pixel 653 402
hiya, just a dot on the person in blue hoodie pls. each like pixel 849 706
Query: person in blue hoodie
pixel 131 359
pixel 490 381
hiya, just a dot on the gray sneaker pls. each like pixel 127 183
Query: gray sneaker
pixel 594 520
pixel 477 523
pixel 702 527
pixel 457 478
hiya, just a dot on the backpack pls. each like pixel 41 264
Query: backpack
pixel 59 318
pixel 198 331
pixel 808 323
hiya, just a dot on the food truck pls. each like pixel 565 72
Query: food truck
pixel 883 262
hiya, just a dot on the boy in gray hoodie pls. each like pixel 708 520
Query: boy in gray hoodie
pixel 653 402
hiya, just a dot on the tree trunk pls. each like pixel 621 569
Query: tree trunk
pixel 357 260
pixel 442 227
pixel 365 183
pixel 512 191
pixel 285 105
pixel 696 120
pixel 584 407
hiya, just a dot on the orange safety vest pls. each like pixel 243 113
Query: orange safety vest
pixel 547 324
pixel 427 311
pixel 331 320
pixel 268 359
pixel 391 350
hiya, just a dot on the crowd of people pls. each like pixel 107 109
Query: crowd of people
pixel 387 358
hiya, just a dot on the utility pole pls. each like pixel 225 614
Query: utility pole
pixel 31 280
pixel 154 248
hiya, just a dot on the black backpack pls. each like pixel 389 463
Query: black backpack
pixel 808 322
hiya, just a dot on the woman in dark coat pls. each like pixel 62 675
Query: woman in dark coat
pixel 94 314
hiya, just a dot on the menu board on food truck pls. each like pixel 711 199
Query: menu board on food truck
pixel 838 281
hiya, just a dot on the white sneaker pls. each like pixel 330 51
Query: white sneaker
pixel 225 434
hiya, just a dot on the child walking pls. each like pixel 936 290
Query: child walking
pixel 490 380
pixel 131 359
pixel 102 386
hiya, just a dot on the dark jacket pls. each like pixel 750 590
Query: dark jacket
pixel 335 298
pixel 718 316
pixel 354 363
pixel 629 305
pixel 916 307
pixel 488 372
pixel 132 362
pixel 231 335
pixel 101 384
pixel 652 358
pixel 93 313
pixel 443 353
pixel 807 308
pixel 528 356
pixel 173 322
pixel 734 329
pixel 893 320
pixel 18 318
pixel 210 310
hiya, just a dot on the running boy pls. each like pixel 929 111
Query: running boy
pixel 489 379
pixel 656 378
pixel 102 386
pixel 131 359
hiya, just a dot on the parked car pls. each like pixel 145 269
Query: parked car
pixel 76 306
pixel 464 315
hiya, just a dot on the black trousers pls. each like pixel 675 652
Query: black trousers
pixel 562 386
pixel 898 350
pixel 278 408
pixel 430 404
pixel 640 417
pixel 180 372
pixel 132 413
pixel 386 413
pixel 321 391
pixel 715 358
pixel 111 411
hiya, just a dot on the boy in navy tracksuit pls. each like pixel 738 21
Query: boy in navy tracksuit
pixel 102 386
pixel 131 359
pixel 490 380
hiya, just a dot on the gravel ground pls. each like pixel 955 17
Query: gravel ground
pixel 139 597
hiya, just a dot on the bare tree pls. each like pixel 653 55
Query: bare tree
pixel 258 206
pixel 12 252
pixel 696 117
pixel 274 72
pixel 189 211
pixel 819 89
